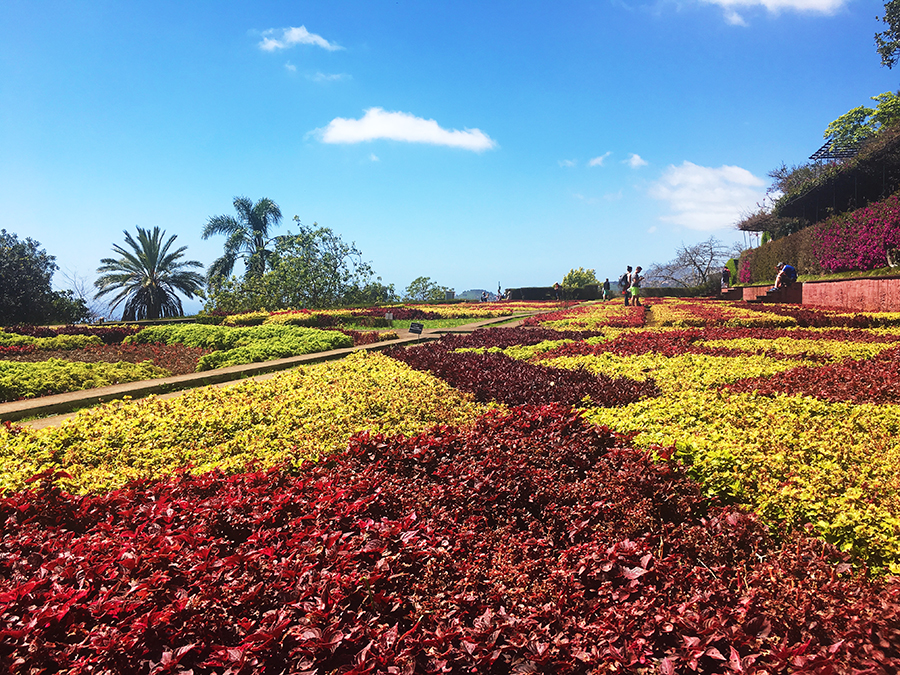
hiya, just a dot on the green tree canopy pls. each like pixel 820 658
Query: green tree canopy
pixel 579 278
pixel 26 295
pixel 148 276
pixel 888 42
pixel 862 122
pixel 423 289
pixel 247 237
pixel 312 269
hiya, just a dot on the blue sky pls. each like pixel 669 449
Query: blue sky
pixel 470 142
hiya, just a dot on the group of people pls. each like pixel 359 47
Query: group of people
pixel 630 283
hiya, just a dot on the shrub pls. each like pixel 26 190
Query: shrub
pixel 54 376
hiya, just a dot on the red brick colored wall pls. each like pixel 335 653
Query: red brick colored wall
pixel 753 292
pixel 862 295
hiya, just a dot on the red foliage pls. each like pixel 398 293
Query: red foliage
pixel 690 341
pixel 821 317
pixel 532 542
pixel 13 350
pixel 875 380
pixel 110 335
pixel 177 359
pixel 636 317
pixel 507 337
pixel 492 376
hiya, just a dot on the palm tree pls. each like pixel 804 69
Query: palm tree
pixel 248 236
pixel 147 276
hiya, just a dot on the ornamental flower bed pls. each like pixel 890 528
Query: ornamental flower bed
pixel 294 417
pixel 741 515
pixel 54 376
pixel 490 376
pixel 591 317
pixel 533 542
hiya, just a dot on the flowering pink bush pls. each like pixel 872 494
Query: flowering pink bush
pixel 859 240
pixel 745 269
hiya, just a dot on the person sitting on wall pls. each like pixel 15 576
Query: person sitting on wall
pixel 786 276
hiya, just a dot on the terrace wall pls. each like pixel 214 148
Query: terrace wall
pixel 876 294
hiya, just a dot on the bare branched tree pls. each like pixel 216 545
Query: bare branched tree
pixel 696 266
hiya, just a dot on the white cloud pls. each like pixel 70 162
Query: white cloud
pixel 567 163
pixel 290 67
pixel 775 7
pixel 635 161
pixel 705 198
pixel 323 77
pixel 288 37
pixel 400 126
pixel 598 161
pixel 374 158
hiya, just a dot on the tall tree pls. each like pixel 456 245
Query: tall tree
pixel 695 266
pixel 580 278
pixel 863 122
pixel 423 289
pixel 248 237
pixel 25 293
pixel 148 276
pixel 888 42
pixel 311 269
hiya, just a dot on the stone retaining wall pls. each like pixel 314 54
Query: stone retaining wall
pixel 876 294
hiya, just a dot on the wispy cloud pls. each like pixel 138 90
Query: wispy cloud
pixel 399 126
pixel 290 67
pixel 326 77
pixel 706 198
pixel 282 38
pixel 598 161
pixel 635 161
pixel 732 16
pixel 567 163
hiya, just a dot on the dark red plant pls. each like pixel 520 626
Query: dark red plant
pixel 530 543
pixel 875 380
pixel 492 376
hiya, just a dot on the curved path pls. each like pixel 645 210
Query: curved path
pixel 53 410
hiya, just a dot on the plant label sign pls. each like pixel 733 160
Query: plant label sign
pixel 416 328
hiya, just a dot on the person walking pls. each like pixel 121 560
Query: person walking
pixel 625 284
pixel 606 290
pixel 726 276
pixel 636 280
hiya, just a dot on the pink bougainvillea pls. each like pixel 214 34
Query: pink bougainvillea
pixel 859 240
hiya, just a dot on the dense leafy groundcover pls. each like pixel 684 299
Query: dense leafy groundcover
pixel 293 417
pixel 531 542
pixel 492 376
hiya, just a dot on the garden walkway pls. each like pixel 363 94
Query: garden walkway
pixel 53 410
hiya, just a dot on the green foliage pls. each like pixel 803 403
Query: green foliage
pixel 54 376
pixel 25 293
pixel 249 344
pixel 148 277
pixel 423 289
pixel 862 122
pixel 309 341
pixel 313 269
pixel 579 278
pixel 248 238
pixel 372 293
pixel 888 41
